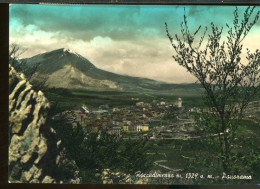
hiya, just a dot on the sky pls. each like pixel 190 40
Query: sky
pixel 126 39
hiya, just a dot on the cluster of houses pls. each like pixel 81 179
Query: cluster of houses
pixel 130 119
pixel 140 118
pixel 114 121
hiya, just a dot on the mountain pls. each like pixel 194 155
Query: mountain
pixel 63 68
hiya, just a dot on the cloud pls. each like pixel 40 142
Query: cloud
pixel 86 21
pixel 117 22
pixel 149 58
pixel 81 22
pixel 124 39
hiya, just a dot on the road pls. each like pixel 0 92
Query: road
pixel 164 166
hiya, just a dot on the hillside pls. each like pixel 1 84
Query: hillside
pixel 63 68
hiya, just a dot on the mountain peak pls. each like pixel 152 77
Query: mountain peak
pixel 64 50
pixel 68 50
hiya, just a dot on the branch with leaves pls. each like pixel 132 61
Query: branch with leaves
pixel 229 83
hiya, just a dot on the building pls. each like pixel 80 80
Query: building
pixel 132 128
pixel 115 130
pixel 145 127
pixel 127 122
pixel 126 128
pixel 179 103
pixel 115 122
pixel 85 108
pixel 142 127
pixel 162 103
pixel 74 124
pixel 116 110
pixel 140 104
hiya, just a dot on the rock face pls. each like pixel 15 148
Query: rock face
pixel 33 151
pixel 110 177
pixel 69 77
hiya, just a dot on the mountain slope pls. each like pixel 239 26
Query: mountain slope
pixel 71 77
pixel 63 68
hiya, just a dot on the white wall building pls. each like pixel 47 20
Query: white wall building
pixel 179 102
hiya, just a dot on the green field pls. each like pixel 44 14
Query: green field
pixel 181 154
pixel 68 99
pixel 177 153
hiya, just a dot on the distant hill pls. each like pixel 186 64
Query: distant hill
pixel 63 68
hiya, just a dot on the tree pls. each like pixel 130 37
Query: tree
pixel 229 82
pixel 15 51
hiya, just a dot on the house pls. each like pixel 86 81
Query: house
pixel 142 127
pixel 145 127
pixel 99 116
pixel 125 128
pixel 116 110
pixel 140 104
pixel 132 128
pixel 166 133
pixel 85 108
pixel 127 122
pixel 81 117
pixel 162 103
pixel 179 102
pixel 74 124
pixel 115 130
pixel 115 122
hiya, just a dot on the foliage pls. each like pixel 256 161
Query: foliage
pixel 244 155
pixel 155 123
pixel 170 115
pixel 106 151
pixel 94 152
pixel 14 53
pixel 229 83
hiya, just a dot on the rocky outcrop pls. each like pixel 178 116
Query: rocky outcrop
pixel 111 177
pixel 33 151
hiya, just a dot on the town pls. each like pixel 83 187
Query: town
pixel 155 120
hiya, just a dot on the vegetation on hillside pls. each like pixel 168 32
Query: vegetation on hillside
pixel 94 152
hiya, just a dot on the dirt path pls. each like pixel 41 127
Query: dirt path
pixel 164 166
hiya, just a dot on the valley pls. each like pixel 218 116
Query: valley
pixel 163 119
